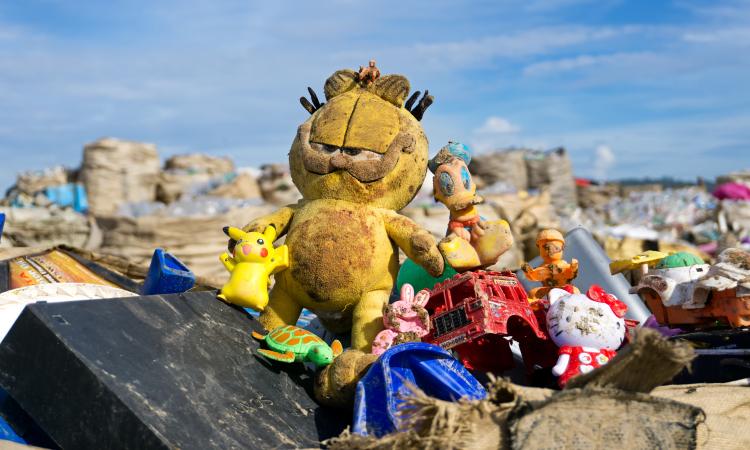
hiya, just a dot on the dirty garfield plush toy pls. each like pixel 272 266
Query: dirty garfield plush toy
pixel 358 159
pixel 253 260
pixel 588 329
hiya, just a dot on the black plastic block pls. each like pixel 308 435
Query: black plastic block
pixel 172 371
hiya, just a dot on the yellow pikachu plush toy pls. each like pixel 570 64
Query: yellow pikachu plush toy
pixel 254 259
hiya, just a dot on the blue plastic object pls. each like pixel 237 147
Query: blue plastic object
pixel 429 367
pixel 2 224
pixel 167 275
pixel 7 433
pixel 71 194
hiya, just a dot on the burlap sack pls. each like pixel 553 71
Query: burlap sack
pixel 536 168
pixel 243 186
pixel 116 172
pixel 46 227
pixel 173 184
pixel 196 241
pixel 34 181
pixel 727 409
pixel 562 185
pixel 506 166
pixel 601 414
pixel 276 185
pixel 200 163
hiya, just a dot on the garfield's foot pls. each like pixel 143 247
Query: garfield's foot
pixel 336 383
pixel 459 253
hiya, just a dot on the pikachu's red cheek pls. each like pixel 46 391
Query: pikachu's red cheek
pixel 263 253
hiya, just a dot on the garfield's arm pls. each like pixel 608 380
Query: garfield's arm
pixel 228 261
pixel 416 242
pixel 279 219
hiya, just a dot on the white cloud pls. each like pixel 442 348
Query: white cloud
pixel 605 159
pixel 729 36
pixel 498 125
pixel 583 61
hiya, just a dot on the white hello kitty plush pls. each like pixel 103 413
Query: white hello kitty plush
pixel 587 328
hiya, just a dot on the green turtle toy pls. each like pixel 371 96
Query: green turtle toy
pixel 289 344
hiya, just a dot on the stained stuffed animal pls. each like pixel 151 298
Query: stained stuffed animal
pixel 406 320
pixel 254 259
pixel 358 159
pixel 588 329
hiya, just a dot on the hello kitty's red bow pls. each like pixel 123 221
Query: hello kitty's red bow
pixel 597 294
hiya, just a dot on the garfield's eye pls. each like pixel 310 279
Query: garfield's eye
pixel 446 184
pixel 465 178
pixel 260 241
pixel 324 147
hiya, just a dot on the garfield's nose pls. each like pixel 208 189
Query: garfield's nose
pixel 339 161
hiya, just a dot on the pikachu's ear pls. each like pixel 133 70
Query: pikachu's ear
pixel 270 233
pixel 235 233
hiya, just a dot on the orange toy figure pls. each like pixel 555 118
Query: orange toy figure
pixel 471 242
pixel 369 74
pixel 555 272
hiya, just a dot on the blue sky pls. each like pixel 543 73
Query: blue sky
pixel 638 88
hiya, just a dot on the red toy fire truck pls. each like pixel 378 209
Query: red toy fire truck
pixel 477 314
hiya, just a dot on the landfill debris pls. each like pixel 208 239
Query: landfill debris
pixel 380 403
pixel 680 268
pixel 167 275
pixel 276 184
pixel 623 393
pixel 193 233
pixel 116 172
pixel 47 227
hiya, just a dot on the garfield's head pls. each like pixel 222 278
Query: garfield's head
pixel 363 145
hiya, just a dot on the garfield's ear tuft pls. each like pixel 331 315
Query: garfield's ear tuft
pixel 341 81
pixel 392 88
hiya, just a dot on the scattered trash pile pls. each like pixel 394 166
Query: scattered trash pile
pixel 364 329
pixel 123 202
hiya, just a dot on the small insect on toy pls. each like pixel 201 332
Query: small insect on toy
pixel 254 259
pixel 289 344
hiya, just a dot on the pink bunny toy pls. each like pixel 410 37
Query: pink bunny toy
pixel 405 320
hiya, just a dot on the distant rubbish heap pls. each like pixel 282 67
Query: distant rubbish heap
pixel 133 204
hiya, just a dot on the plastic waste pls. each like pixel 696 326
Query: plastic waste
pixel 68 195
pixel 167 275
pixel 200 206
pixel 379 395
